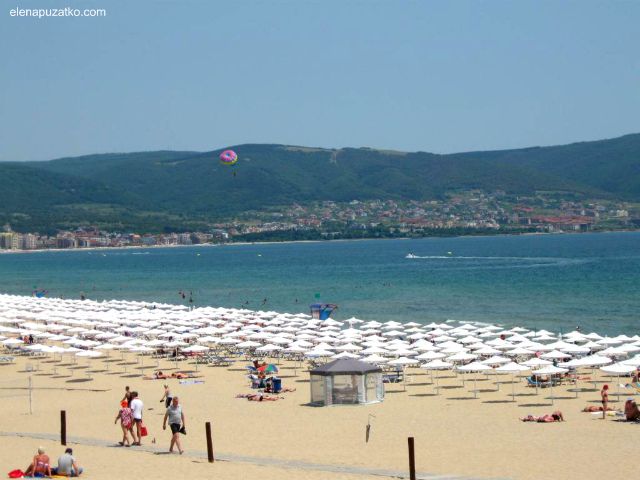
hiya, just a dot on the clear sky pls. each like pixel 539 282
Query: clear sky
pixel 441 76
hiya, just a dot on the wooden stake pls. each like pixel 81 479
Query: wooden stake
pixel 412 460
pixel 209 442
pixel 63 427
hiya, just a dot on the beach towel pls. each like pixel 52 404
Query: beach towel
pixel 636 385
pixel 191 382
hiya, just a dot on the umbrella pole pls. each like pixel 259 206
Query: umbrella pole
pixel 437 383
pixel 404 379
pixel 475 386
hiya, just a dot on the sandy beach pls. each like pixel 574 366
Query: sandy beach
pixel 454 434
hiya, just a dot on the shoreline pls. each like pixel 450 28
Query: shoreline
pixel 201 245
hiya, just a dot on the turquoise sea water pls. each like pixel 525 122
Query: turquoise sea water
pixel 539 281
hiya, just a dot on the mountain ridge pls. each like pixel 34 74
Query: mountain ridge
pixel 195 184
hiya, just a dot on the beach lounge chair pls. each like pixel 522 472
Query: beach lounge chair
pixel 532 383
pixel 221 361
pixel 7 360
pixel 392 377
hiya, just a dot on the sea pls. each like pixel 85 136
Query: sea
pixel 554 282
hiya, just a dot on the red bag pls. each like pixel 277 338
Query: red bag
pixel 143 431
pixel 16 474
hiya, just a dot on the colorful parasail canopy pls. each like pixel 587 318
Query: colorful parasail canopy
pixel 228 157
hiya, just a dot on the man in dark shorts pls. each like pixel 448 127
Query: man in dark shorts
pixel 137 406
pixel 175 415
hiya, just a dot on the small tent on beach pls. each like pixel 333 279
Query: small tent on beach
pixel 346 382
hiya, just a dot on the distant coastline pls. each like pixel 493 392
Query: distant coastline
pixel 204 245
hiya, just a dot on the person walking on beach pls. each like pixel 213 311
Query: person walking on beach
pixel 125 415
pixel 176 418
pixel 167 397
pixel 136 407
pixel 605 400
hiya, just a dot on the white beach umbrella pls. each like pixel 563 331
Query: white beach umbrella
pixel 635 361
pixel 373 358
pixel 551 370
pixel 575 363
pixel 618 369
pixel 403 362
pixel 487 351
pixel 614 352
pixel 349 347
pixel 318 353
pixel 374 350
pixel 295 349
pixel 555 354
pixel 519 352
pixel 437 365
pixel 89 354
pixel 596 361
pixel 430 356
pixel 474 367
pixel 496 360
pixel 462 357
pixel 344 355
pixel 269 348
pixel 195 348
pixel 512 368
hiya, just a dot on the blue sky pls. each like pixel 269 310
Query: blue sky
pixel 431 76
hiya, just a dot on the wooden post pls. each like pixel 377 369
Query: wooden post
pixel 63 427
pixel 412 461
pixel 209 442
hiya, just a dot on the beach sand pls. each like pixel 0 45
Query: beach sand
pixel 454 434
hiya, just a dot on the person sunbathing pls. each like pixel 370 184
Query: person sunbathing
pixel 594 408
pixel 156 376
pixel 182 375
pixel 269 389
pixel 257 398
pixel 554 417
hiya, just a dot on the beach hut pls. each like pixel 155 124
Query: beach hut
pixel 346 382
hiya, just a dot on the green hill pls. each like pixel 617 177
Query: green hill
pixel 181 188
pixel 610 165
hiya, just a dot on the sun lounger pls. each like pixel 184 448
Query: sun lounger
pixel 392 377
pixel 7 360
pixel 532 383
pixel 220 361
